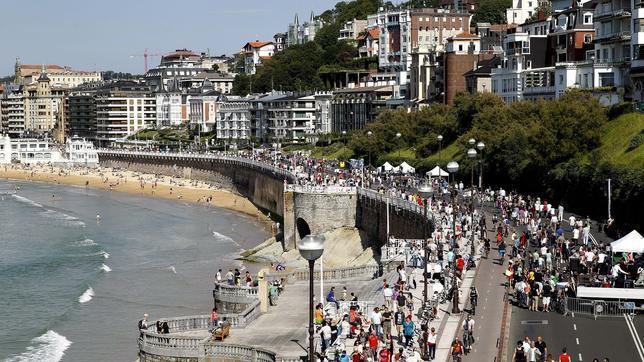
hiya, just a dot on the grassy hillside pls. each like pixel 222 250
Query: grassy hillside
pixel 623 141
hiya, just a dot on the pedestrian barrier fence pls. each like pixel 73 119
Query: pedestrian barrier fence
pixel 338 310
pixel 314 189
pixel 597 308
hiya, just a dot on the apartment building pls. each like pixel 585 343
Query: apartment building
pixel 613 34
pixel 394 28
pixel 80 114
pixel 521 11
pixel 462 54
pixel 59 76
pixel 297 118
pixel 354 108
pixel 352 29
pixel 122 109
pixel 637 60
pixel 233 120
pixel 430 28
pixel 12 111
pixel 255 52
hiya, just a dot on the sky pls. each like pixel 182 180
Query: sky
pixel 102 35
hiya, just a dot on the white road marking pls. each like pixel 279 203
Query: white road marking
pixel 573 314
pixel 580 358
pixel 635 335
pixel 577 340
pixel 574 326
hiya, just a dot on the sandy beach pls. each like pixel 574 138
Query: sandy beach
pixel 148 185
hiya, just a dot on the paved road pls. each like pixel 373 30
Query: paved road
pixel 585 338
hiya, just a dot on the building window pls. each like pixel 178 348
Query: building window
pixel 561 79
pixel 460 47
pixel 588 19
pixel 588 39
pixel 606 79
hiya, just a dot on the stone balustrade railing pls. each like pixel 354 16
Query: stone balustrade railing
pixel 169 345
pixel 236 352
pixel 234 294
pixel 200 156
pixel 315 189
pixel 176 345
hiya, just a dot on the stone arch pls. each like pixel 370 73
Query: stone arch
pixel 303 228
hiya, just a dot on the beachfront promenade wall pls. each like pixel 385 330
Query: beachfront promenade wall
pixel 319 208
pixel 259 182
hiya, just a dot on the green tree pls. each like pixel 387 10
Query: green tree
pixel 491 11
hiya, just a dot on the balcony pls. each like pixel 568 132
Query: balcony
pixel 615 13
pixel 613 37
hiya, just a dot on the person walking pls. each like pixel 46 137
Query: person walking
pixel 564 356
pixel 456 350
pixel 408 331
pixel 431 343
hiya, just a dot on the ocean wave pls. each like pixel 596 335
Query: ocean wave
pixel 85 242
pixel 223 237
pixel 51 346
pixel 87 296
pixel 106 268
pixel 105 254
pixel 27 201
pixel 68 219
pixel 172 269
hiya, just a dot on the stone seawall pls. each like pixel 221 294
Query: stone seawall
pixel 301 208
pixel 263 188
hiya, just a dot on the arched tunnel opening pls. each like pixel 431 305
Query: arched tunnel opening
pixel 303 228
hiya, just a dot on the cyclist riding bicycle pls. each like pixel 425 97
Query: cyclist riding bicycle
pixel 468 333
pixel 474 298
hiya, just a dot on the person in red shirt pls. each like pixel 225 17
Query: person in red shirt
pixel 384 355
pixel 564 356
pixel 373 343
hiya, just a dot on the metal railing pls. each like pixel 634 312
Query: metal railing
pixel 597 308
pixel 328 274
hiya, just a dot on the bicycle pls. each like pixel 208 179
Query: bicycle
pixel 468 340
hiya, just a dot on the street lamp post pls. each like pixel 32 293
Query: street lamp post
pixel 440 146
pixel 452 167
pixel 471 153
pixel 344 137
pixel 480 146
pixel 311 248
pixel 398 135
pixel 369 134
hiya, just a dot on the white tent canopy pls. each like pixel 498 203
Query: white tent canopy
pixel 632 242
pixel 386 167
pixel 405 168
pixel 437 172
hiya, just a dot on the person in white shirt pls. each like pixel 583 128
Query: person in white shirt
pixel 571 221
pixel 376 322
pixel 388 294
pixel 325 335
pixel 575 235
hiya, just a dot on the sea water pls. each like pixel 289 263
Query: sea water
pixel 73 285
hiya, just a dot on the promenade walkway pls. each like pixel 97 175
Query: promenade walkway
pixel 289 319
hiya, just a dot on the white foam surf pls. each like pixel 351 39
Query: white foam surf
pixel 87 296
pixel 106 255
pixel 49 347
pixel 85 242
pixel 67 219
pixel 223 237
pixel 172 269
pixel 25 200
pixel 106 268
